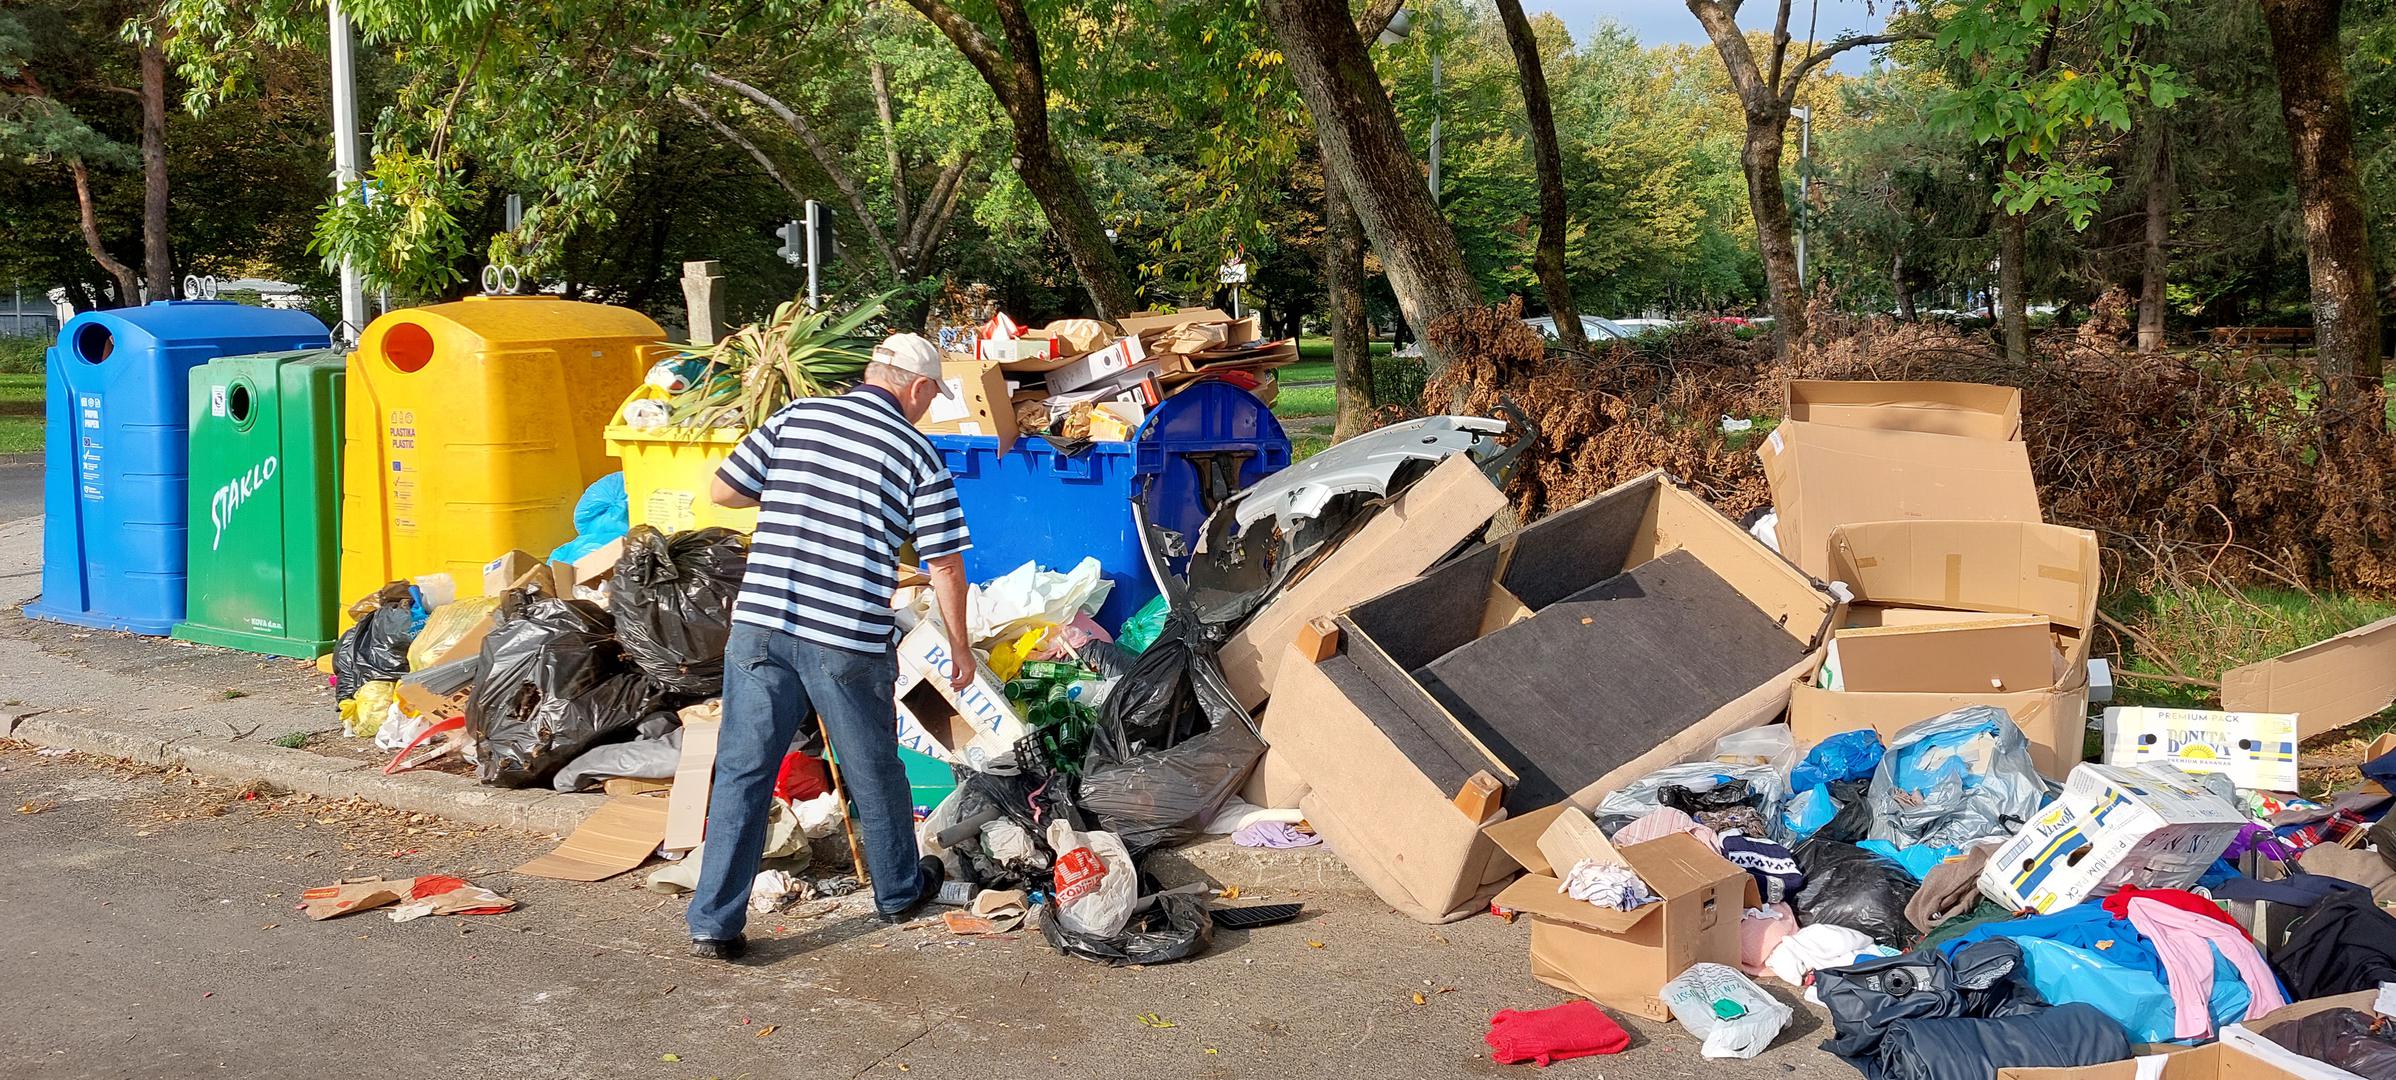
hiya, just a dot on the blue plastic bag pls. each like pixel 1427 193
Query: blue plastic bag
pixel 1844 756
pixel 601 516
pixel 1808 811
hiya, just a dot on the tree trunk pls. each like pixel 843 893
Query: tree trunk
pixel 158 260
pixel 1775 237
pixel 1021 85
pixel 2159 199
pixel 1351 335
pixel 1548 258
pixel 1897 286
pixel 2313 102
pixel 1365 149
pixel 2012 313
pixel 128 284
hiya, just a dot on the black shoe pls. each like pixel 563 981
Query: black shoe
pixel 727 949
pixel 933 872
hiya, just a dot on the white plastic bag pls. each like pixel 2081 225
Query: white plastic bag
pixel 1003 607
pixel 1734 1016
pixel 1095 885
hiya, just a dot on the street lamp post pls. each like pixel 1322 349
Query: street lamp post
pixel 1401 26
pixel 345 162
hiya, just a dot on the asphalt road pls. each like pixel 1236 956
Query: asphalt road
pixel 148 930
pixel 20 486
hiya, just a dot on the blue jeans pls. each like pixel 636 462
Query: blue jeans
pixel 774 684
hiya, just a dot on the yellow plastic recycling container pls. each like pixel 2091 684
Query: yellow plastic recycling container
pixel 472 428
pixel 669 473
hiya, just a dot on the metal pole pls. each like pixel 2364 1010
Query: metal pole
pixel 345 164
pixel 1805 180
pixel 812 300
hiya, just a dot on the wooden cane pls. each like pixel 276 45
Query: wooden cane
pixel 848 821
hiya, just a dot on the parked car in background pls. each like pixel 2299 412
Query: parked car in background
pixel 1592 327
pixel 1646 326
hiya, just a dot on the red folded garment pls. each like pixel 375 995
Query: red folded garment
pixel 1573 1029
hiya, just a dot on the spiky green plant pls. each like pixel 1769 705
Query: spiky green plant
pixel 754 371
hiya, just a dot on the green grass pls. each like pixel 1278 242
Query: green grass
pixel 2205 631
pixel 20 414
pixel 1306 446
pixel 21 356
pixel 1306 371
pixel 1319 348
pixel 1303 401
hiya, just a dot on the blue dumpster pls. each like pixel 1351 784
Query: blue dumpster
pixel 1033 504
pixel 116 447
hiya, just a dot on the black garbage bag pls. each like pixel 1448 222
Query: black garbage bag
pixel 1173 692
pixel 1853 822
pixel 1984 979
pixel 2345 1038
pixel 554 683
pixel 1974 1048
pixel 1166 797
pixel 1727 796
pixel 376 646
pixel 1176 927
pixel 1848 886
pixel 672 601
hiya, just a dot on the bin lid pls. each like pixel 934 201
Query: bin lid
pixel 1210 412
pixel 168 322
pixel 529 319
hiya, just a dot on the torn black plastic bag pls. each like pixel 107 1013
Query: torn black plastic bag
pixel 1174 691
pixel 1848 886
pixel 1984 979
pixel 672 601
pixel 1172 746
pixel 1176 927
pixel 554 683
pixel 376 646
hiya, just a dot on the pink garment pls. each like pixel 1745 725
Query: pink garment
pixel 1758 937
pixel 1661 822
pixel 2185 941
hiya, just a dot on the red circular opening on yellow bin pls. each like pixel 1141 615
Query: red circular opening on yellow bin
pixel 408 347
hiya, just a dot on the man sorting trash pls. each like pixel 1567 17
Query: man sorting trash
pixel 840 483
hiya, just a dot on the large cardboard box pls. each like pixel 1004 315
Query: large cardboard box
pixel 1972 410
pixel 2328 684
pixel 2255 750
pixel 1583 651
pixel 1985 567
pixel 981 405
pixel 2016 653
pixel 2218 1061
pixel 1624 958
pixel 2144 825
pixel 970 727
pixel 1871 461
pixel 1426 521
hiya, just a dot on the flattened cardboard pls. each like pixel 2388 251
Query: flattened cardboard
pixel 1572 839
pixel 1097 366
pixel 618 836
pixel 2054 720
pixel 1939 658
pixel 1972 410
pixel 1987 566
pixel 2328 684
pixel 1142 323
pixel 2150 826
pixel 1824 476
pixel 1624 958
pixel 1875 615
pixel 981 406
pixel 502 573
pixel 694 778
pixel 2255 750
pixel 2217 1061
pixel 1441 510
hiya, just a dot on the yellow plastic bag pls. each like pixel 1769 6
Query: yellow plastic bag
pixel 448 624
pixel 363 715
pixel 1007 659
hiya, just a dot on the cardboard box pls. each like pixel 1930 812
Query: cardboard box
pixel 506 571
pixel 981 407
pixel 1097 365
pixel 2054 720
pixel 1983 566
pixel 2145 825
pixel 2328 684
pixel 1825 475
pixel 1582 651
pixel 1972 410
pixel 1152 323
pixel 1624 958
pixel 2218 1061
pixel 2255 750
pixel 1426 521
pixel 971 727
pixel 2004 655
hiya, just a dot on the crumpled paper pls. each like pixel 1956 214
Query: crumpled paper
pixel 1010 604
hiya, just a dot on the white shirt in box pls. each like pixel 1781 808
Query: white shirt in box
pixel 2148 825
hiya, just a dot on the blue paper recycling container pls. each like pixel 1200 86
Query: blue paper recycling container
pixel 1034 504
pixel 116 448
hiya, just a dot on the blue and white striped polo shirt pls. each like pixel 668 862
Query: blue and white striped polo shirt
pixel 841 483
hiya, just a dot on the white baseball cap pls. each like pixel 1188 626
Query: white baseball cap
pixel 914 354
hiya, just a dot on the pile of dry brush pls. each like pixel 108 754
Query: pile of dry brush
pixel 2217 455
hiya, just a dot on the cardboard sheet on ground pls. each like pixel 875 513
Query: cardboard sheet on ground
pixel 694 777
pixel 618 836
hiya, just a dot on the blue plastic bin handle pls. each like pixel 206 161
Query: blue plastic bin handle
pixel 1082 467
pixel 962 464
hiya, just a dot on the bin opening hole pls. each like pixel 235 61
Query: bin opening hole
pixel 408 347
pixel 237 404
pixel 93 343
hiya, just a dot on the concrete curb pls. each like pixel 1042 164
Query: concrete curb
pixel 437 794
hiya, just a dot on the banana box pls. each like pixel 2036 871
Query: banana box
pixel 2255 750
pixel 2146 825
